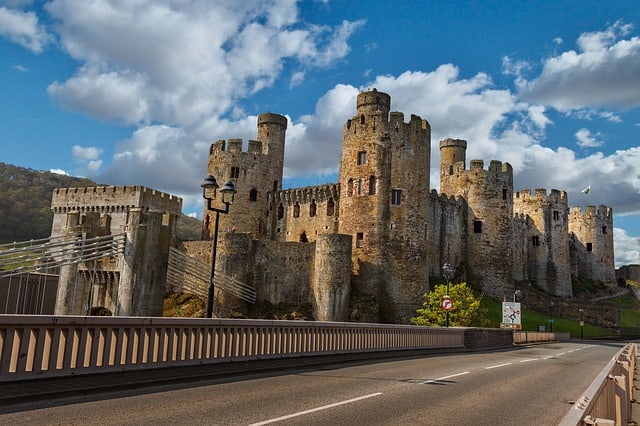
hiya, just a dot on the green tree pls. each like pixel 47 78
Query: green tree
pixel 466 311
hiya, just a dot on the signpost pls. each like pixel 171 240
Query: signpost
pixel 511 315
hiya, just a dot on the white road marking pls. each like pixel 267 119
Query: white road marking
pixel 313 410
pixel 499 365
pixel 426 382
pixel 530 359
pixel 561 353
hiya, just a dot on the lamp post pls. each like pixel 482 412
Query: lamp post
pixel 551 316
pixel 228 191
pixel 447 269
pixel 581 324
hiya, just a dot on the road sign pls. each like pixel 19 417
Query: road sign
pixel 447 303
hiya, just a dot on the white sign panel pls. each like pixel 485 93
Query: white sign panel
pixel 511 315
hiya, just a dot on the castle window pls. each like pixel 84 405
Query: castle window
pixel 504 193
pixel 477 226
pixel 396 196
pixel 359 240
pixel 360 186
pixel 362 158
pixel 372 185
pixel 330 207
pixel 362 119
pixel 296 210
pixel 556 215
pixel 280 211
pixel 275 185
pixel 451 169
pixel 350 188
pixel 312 208
pixel 589 246
pixel 235 172
pixel 253 195
pixel 303 237
pixel 604 229
pixel 535 240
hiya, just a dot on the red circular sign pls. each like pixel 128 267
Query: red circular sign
pixel 447 303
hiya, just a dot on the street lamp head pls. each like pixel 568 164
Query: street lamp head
pixel 447 268
pixel 228 191
pixel 209 186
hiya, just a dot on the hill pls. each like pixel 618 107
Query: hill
pixel 25 201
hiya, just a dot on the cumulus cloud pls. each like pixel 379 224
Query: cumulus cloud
pixel 603 72
pixel 23 28
pixel 84 153
pixel 627 248
pixel 588 140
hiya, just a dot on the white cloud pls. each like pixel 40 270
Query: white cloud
pixel 147 61
pixel 588 140
pixel 627 248
pixel 604 72
pixel 23 28
pixel 59 172
pixel 84 153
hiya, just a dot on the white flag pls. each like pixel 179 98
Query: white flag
pixel 586 190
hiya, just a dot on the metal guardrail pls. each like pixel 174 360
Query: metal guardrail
pixel 34 347
pixel 51 253
pixel 607 401
pixel 190 275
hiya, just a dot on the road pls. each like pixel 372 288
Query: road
pixel 532 385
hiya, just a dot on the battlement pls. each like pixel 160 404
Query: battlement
pixel 446 199
pixel 235 146
pixel 270 118
pixel 495 166
pixel 453 143
pixel 373 101
pixel 113 198
pixel 602 212
pixel 540 194
pixel 319 193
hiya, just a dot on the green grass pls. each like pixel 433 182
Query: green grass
pixel 531 320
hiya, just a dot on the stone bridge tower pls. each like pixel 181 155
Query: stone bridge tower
pixel 384 191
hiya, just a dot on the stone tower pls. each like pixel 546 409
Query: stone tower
pixel 255 173
pixel 384 191
pixel 592 243
pixel 129 284
pixel 489 218
pixel 546 246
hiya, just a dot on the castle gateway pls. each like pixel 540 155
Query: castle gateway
pixel 363 249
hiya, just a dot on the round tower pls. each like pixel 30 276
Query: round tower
pixel 271 132
pixel 452 152
pixel 384 189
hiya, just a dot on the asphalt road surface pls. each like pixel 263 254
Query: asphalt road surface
pixel 532 385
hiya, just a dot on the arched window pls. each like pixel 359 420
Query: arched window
pixel 296 210
pixel 360 186
pixel 312 208
pixel 253 195
pixel 330 207
pixel 350 188
pixel 372 185
pixel 280 211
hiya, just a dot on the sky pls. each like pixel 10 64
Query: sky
pixel 133 92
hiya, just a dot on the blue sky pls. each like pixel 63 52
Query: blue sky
pixel 133 93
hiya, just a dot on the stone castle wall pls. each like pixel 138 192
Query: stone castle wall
pixel 402 232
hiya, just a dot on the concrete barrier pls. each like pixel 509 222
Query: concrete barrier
pixel 51 346
pixel 607 401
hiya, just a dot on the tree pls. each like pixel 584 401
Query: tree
pixel 466 310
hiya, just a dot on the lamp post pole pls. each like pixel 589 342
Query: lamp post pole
pixel 581 324
pixel 228 191
pixel 447 269
pixel 551 316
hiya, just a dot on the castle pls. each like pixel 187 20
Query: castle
pixel 381 231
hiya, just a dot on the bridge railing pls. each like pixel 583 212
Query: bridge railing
pixel 49 346
pixel 607 400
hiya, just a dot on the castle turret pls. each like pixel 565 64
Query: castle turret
pixel 384 190
pixel 452 163
pixel 255 173
pixel 546 241
pixel 592 243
